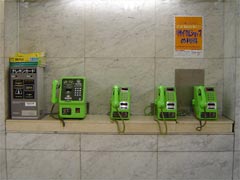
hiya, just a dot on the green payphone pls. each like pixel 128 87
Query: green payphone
pixel 71 97
pixel 120 103
pixel 120 106
pixel 166 103
pixel 205 103
pixel 165 106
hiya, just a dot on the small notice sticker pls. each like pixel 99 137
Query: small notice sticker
pixel 30 104
pixel 29 113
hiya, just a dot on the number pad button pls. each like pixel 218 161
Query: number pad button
pixel 77 92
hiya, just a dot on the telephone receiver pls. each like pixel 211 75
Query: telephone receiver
pixel 161 102
pixel 166 103
pixel 55 86
pixel 202 97
pixel 115 98
pixel 120 103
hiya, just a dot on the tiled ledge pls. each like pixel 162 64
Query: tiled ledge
pixel 136 125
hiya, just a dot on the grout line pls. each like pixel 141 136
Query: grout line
pixel 157 156
pixel 50 150
pixel 84 37
pixel 235 89
pixel 136 57
pixel 80 155
pixel 6 155
pixel 124 151
pixel 155 72
pixel 155 48
pixel 18 24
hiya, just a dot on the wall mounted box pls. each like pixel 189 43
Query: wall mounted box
pixel 27 92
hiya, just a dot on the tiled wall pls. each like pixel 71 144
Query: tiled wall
pixel 2 101
pixel 2 113
pixel 229 59
pixel 237 114
pixel 232 73
pixel 125 42
pixel 8 45
pixel 122 157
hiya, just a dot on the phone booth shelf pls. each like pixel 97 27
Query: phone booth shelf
pixel 136 125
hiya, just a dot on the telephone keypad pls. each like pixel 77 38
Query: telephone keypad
pixel 124 97
pixel 77 92
pixel 210 97
pixel 170 96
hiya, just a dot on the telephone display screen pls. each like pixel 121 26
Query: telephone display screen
pixel 170 89
pixel 209 89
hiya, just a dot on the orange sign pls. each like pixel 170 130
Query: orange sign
pixel 188 33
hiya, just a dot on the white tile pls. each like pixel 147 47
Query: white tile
pixel 121 28
pixel 25 164
pixel 2 140
pixel 58 142
pixel 118 143
pixel 195 165
pixel 238 29
pixel 230 41
pixel 236 171
pixel 119 165
pixel 103 73
pixel 237 114
pixel 229 87
pixel 237 133
pixel 11 28
pixel 196 143
pixel 3 169
pixel 55 27
pixel 1 28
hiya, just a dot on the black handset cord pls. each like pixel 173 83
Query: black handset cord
pixel 159 125
pixel 54 117
pixel 149 113
pixel 117 123
pixel 155 119
pixel 199 128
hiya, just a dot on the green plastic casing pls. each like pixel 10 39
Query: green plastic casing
pixel 166 103
pixel 72 97
pixel 205 103
pixel 120 103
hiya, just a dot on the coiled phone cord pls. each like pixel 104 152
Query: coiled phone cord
pixel 155 119
pixel 158 122
pixel 199 128
pixel 54 117
pixel 149 113
pixel 118 125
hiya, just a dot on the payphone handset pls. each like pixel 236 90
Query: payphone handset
pixel 166 103
pixel 205 103
pixel 71 97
